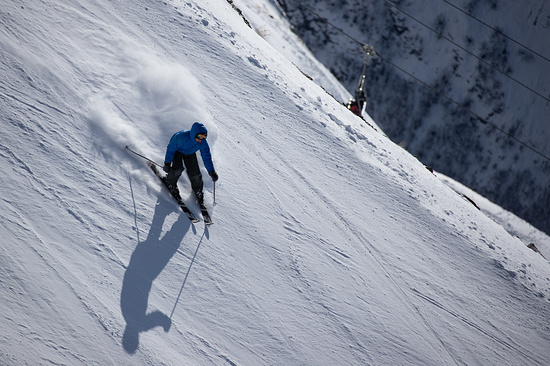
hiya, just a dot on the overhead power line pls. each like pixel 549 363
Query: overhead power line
pixel 467 51
pixel 497 31
pixel 483 120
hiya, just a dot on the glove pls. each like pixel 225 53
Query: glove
pixel 166 167
pixel 214 175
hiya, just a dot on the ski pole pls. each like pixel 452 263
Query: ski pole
pixel 144 157
pixel 214 193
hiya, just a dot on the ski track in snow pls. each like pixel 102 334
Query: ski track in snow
pixel 330 244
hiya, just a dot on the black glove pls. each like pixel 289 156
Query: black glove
pixel 214 175
pixel 166 167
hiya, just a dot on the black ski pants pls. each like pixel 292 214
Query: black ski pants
pixel 189 162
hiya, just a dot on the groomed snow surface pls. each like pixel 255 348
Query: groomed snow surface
pixel 331 245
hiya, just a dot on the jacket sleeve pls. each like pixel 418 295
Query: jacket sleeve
pixel 171 149
pixel 206 156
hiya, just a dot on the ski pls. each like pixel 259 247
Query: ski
pixel 205 215
pixel 182 205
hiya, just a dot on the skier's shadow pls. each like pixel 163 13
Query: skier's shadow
pixel 147 262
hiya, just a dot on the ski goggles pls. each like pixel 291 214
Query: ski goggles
pixel 200 136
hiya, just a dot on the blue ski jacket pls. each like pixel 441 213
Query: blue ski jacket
pixel 184 142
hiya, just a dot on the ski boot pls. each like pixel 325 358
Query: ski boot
pixel 200 197
pixel 173 188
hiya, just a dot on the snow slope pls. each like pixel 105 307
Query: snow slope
pixel 513 224
pixel 331 245
pixel 453 47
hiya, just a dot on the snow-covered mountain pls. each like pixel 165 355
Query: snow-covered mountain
pixel 489 56
pixel 331 244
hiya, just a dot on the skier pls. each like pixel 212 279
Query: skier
pixel 354 107
pixel 181 150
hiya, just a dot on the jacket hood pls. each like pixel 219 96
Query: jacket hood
pixel 198 128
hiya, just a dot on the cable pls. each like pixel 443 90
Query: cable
pixel 496 30
pixel 483 120
pixel 467 51
pixel 328 22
